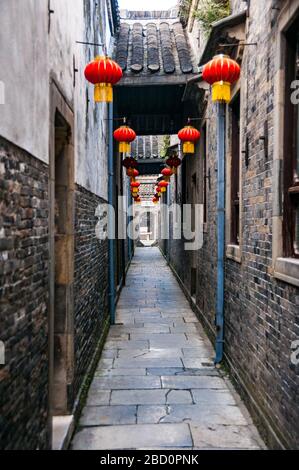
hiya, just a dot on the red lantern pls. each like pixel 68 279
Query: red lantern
pixel 221 72
pixel 103 73
pixel 133 173
pixel 137 200
pixel 135 186
pixel 163 186
pixel 174 163
pixel 158 191
pixel 129 162
pixel 124 135
pixel 188 135
pixel 155 200
pixel 166 172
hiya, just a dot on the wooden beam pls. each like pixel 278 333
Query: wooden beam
pixel 143 81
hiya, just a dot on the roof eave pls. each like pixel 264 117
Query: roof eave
pixel 217 27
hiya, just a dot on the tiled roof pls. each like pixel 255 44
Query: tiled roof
pixel 147 147
pixel 153 48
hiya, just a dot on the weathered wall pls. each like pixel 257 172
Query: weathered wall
pixel 41 49
pixel 47 48
pixel 24 70
pixel 91 283
pixel 261 312
pixel 24 248
pixel 86 21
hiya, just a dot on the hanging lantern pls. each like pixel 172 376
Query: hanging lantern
pixel 133 174
pixel 124 135
pixel 174 163
pixel 129 162
pixel 138 200
pixel 188 135
pixel 130 172
pixel 155 200
pixel 221 72
pixel 103 73
pixel 135 186
pixel 158 191
pixel 166 172
pixel 163 186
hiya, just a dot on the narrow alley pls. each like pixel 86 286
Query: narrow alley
pixel 149 226
pixel 156 386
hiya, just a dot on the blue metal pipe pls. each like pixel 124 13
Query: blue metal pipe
pixel 129 220
pixel 220 230
pixel 111 221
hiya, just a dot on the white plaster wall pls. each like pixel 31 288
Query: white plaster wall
pixel 82 20
pixel 91 118
pixel 30 55
pixel 24 118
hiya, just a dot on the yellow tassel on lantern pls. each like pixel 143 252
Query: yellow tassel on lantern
pixel 103 93
pixel 124 147
pixel 174 170
pixel 188 147
pixel 163 190
pixel 135 190
pixel 221 91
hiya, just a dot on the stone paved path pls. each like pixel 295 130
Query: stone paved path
pixel 156 386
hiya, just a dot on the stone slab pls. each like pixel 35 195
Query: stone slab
pixel 108 415
pixel 188 382
pixel 223 437
pixel 98 397
pixel 138 397
pixel 119 371
pixel 141 362
pixel 125 383
pixel 133 437
pixel 178 413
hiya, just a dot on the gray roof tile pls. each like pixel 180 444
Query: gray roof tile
pixel 153 47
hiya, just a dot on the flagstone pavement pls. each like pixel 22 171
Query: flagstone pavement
pixel 156 386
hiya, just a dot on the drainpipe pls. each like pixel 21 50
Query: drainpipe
pixel 129 220
pixel 111 222
pixel 220 230
pixel 168 225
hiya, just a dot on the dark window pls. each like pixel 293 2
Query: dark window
pixel 235 170
pixel 291 149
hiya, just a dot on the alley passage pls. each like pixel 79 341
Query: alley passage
pixel 156 386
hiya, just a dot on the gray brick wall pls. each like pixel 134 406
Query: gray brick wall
pixel 91 283
pixel 23 299
pixel 261 312
pixel 24 251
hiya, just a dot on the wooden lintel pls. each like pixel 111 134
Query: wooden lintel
pixel 143 81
